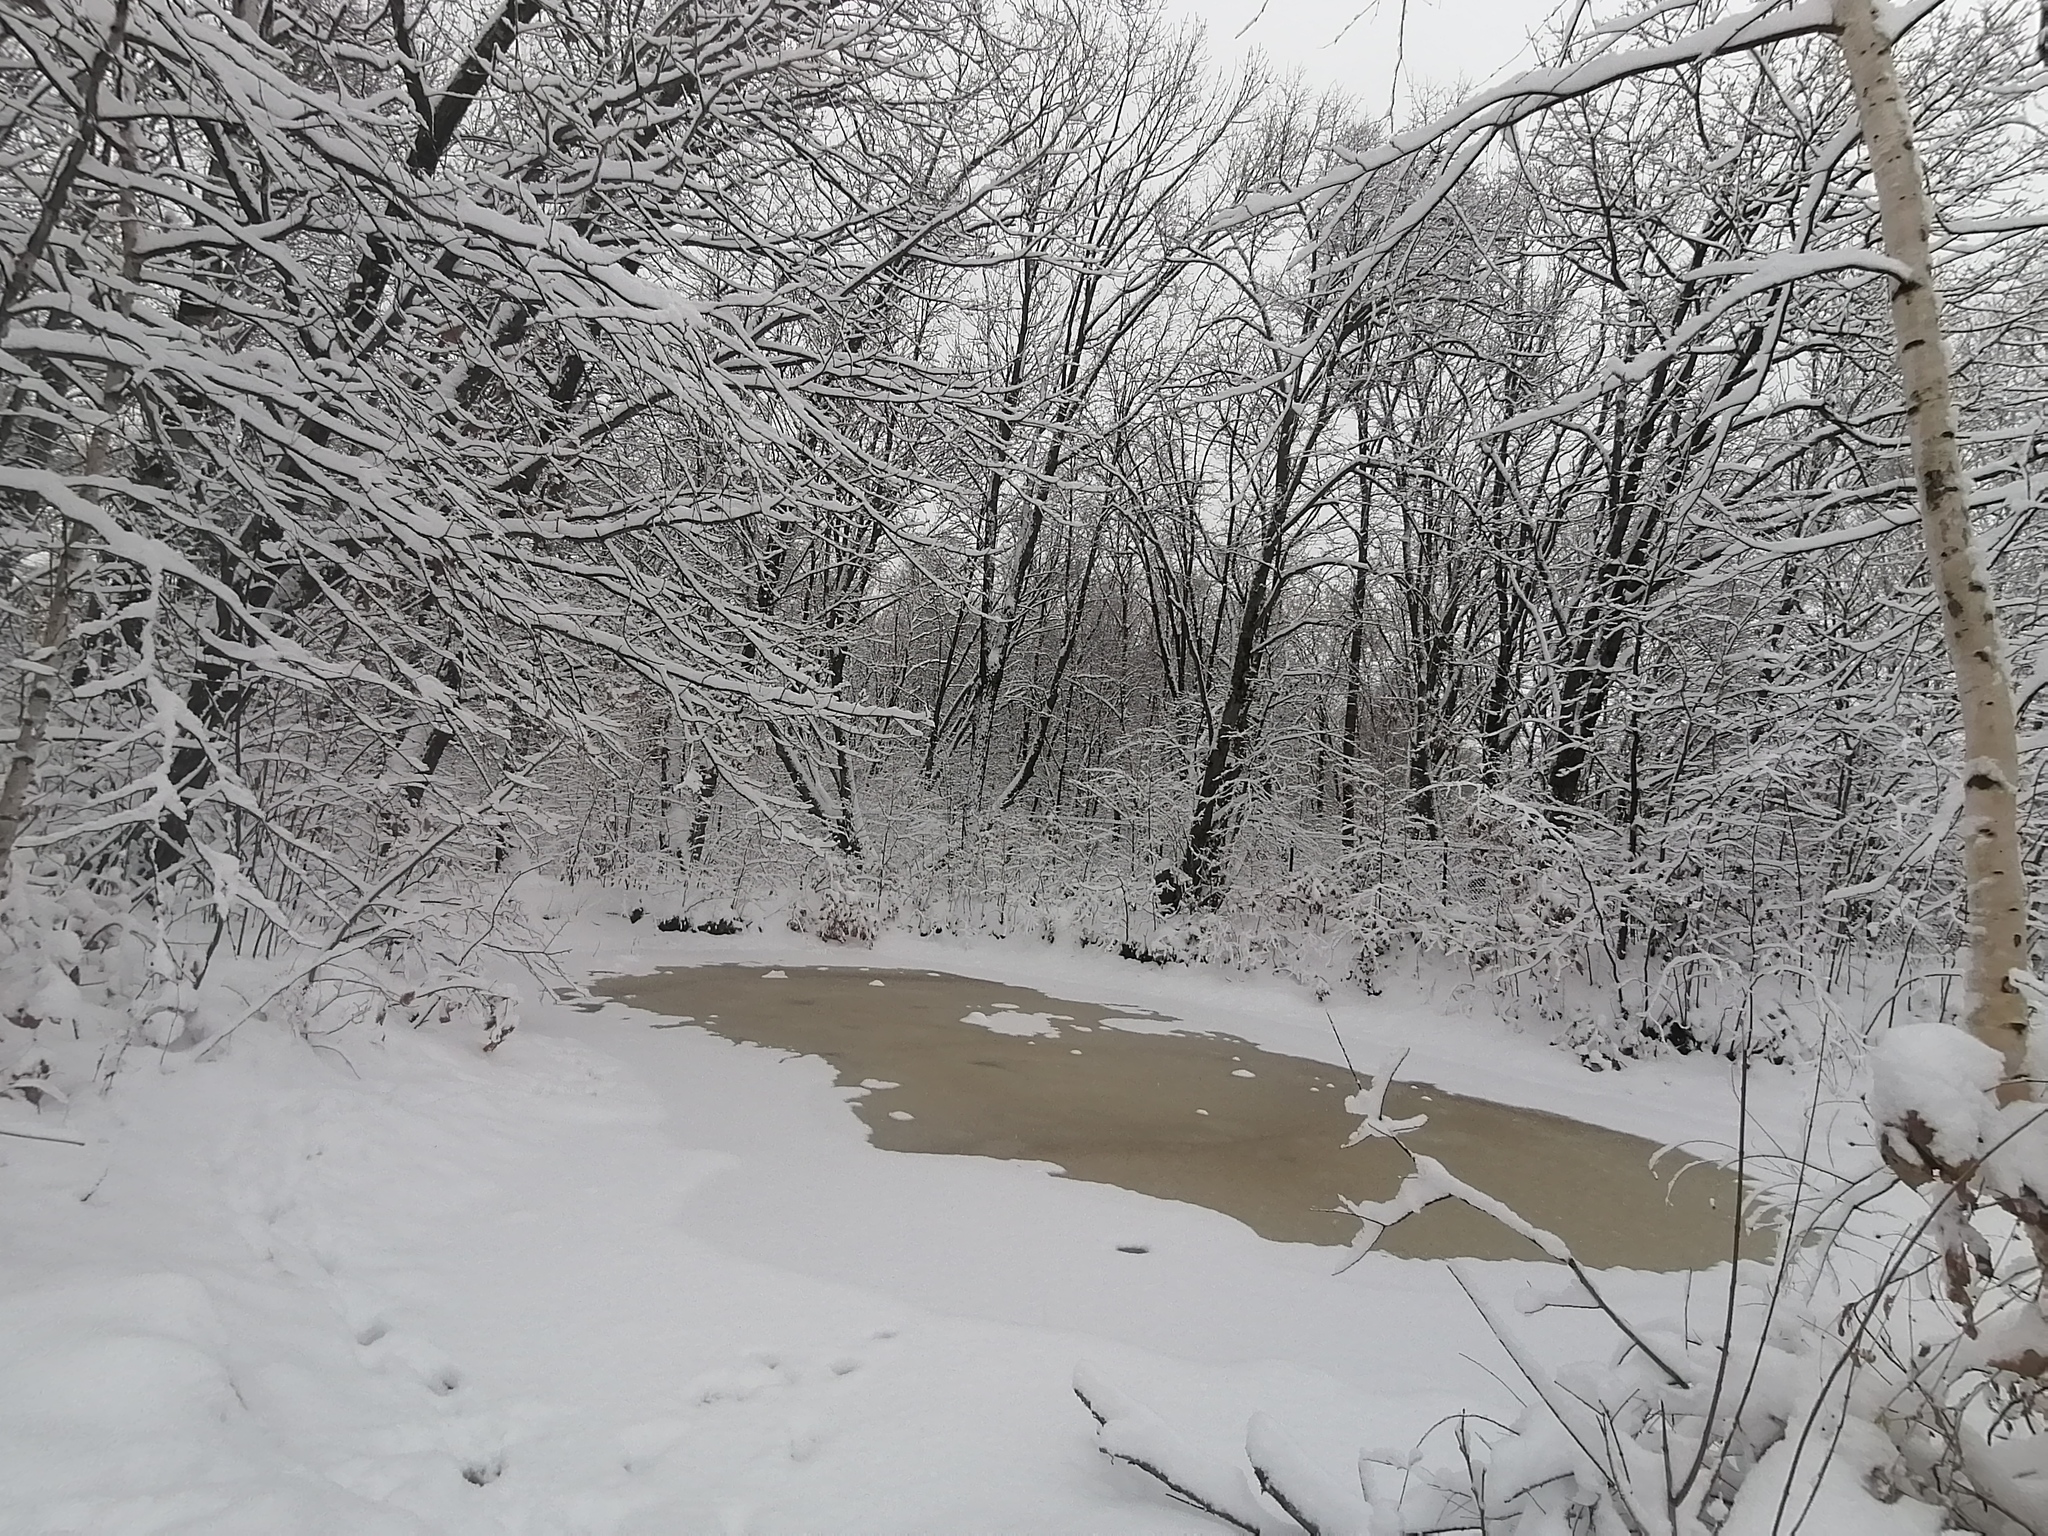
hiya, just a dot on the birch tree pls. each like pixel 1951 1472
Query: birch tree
pixel 1995 893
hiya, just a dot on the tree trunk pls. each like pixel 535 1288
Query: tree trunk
pixel 706 786
pixel 1217 807
pixel 1350 749
pixel 1995 878
pixel 15 809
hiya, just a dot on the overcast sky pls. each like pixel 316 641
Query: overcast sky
pixel 1353 43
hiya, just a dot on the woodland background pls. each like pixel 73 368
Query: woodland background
pixel 969 467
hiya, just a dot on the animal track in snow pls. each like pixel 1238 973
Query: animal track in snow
pixel 391 1349
pixel 736 1383
pixel 803 1438
pixel 644 1444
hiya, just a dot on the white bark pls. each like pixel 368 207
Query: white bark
pixel 15 809
pixel 42 696
pixel 1996 892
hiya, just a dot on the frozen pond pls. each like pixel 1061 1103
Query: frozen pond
pixel 1121 1096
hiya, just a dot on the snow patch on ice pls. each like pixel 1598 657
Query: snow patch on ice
pixel 1143 1026
pixel 1011 1021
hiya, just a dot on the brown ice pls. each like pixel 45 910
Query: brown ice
pixel 1198 1117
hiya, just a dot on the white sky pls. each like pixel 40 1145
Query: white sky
pixel 1445 42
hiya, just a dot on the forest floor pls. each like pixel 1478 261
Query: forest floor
pixel 613 1279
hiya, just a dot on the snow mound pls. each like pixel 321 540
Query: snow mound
pixel 1942 1075
pixel 118 1411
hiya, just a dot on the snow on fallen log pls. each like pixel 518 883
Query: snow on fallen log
pixel 1318 1505
pixel 1134 1434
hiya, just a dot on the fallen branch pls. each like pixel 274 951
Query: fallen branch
pixel 62 1141
pixel 1134 1434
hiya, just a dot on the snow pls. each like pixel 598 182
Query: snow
pixel 1317 1501
pixel 1430 1182
pixel 615 1278
pixel 1141 1026
pixel 1133 1433
pixel 1013 1021
pixel 1841 1501
pixel 1943 1075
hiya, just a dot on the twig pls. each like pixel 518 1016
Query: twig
pixel 62 1141
pixel 1356 1081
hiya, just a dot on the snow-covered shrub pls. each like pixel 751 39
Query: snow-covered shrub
pixel 82 975
pixel 839 903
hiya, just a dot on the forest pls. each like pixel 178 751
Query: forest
pixel 968 470
pixel 974 471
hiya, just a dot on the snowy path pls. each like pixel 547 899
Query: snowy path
pixel 618 1280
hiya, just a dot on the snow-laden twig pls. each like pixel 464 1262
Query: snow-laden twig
pixel 1315 1503
pixel 1132 1433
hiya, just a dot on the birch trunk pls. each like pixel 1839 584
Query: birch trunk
pixel 46 662
pixel 15 810
pixel 1995 878
pixel 68 559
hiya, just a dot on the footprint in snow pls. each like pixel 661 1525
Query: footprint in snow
pixel 736 1383
pixel 803 1439
pixel 642 1445
pixel 408 1354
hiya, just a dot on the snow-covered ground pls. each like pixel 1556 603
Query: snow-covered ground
pixel 613 1279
